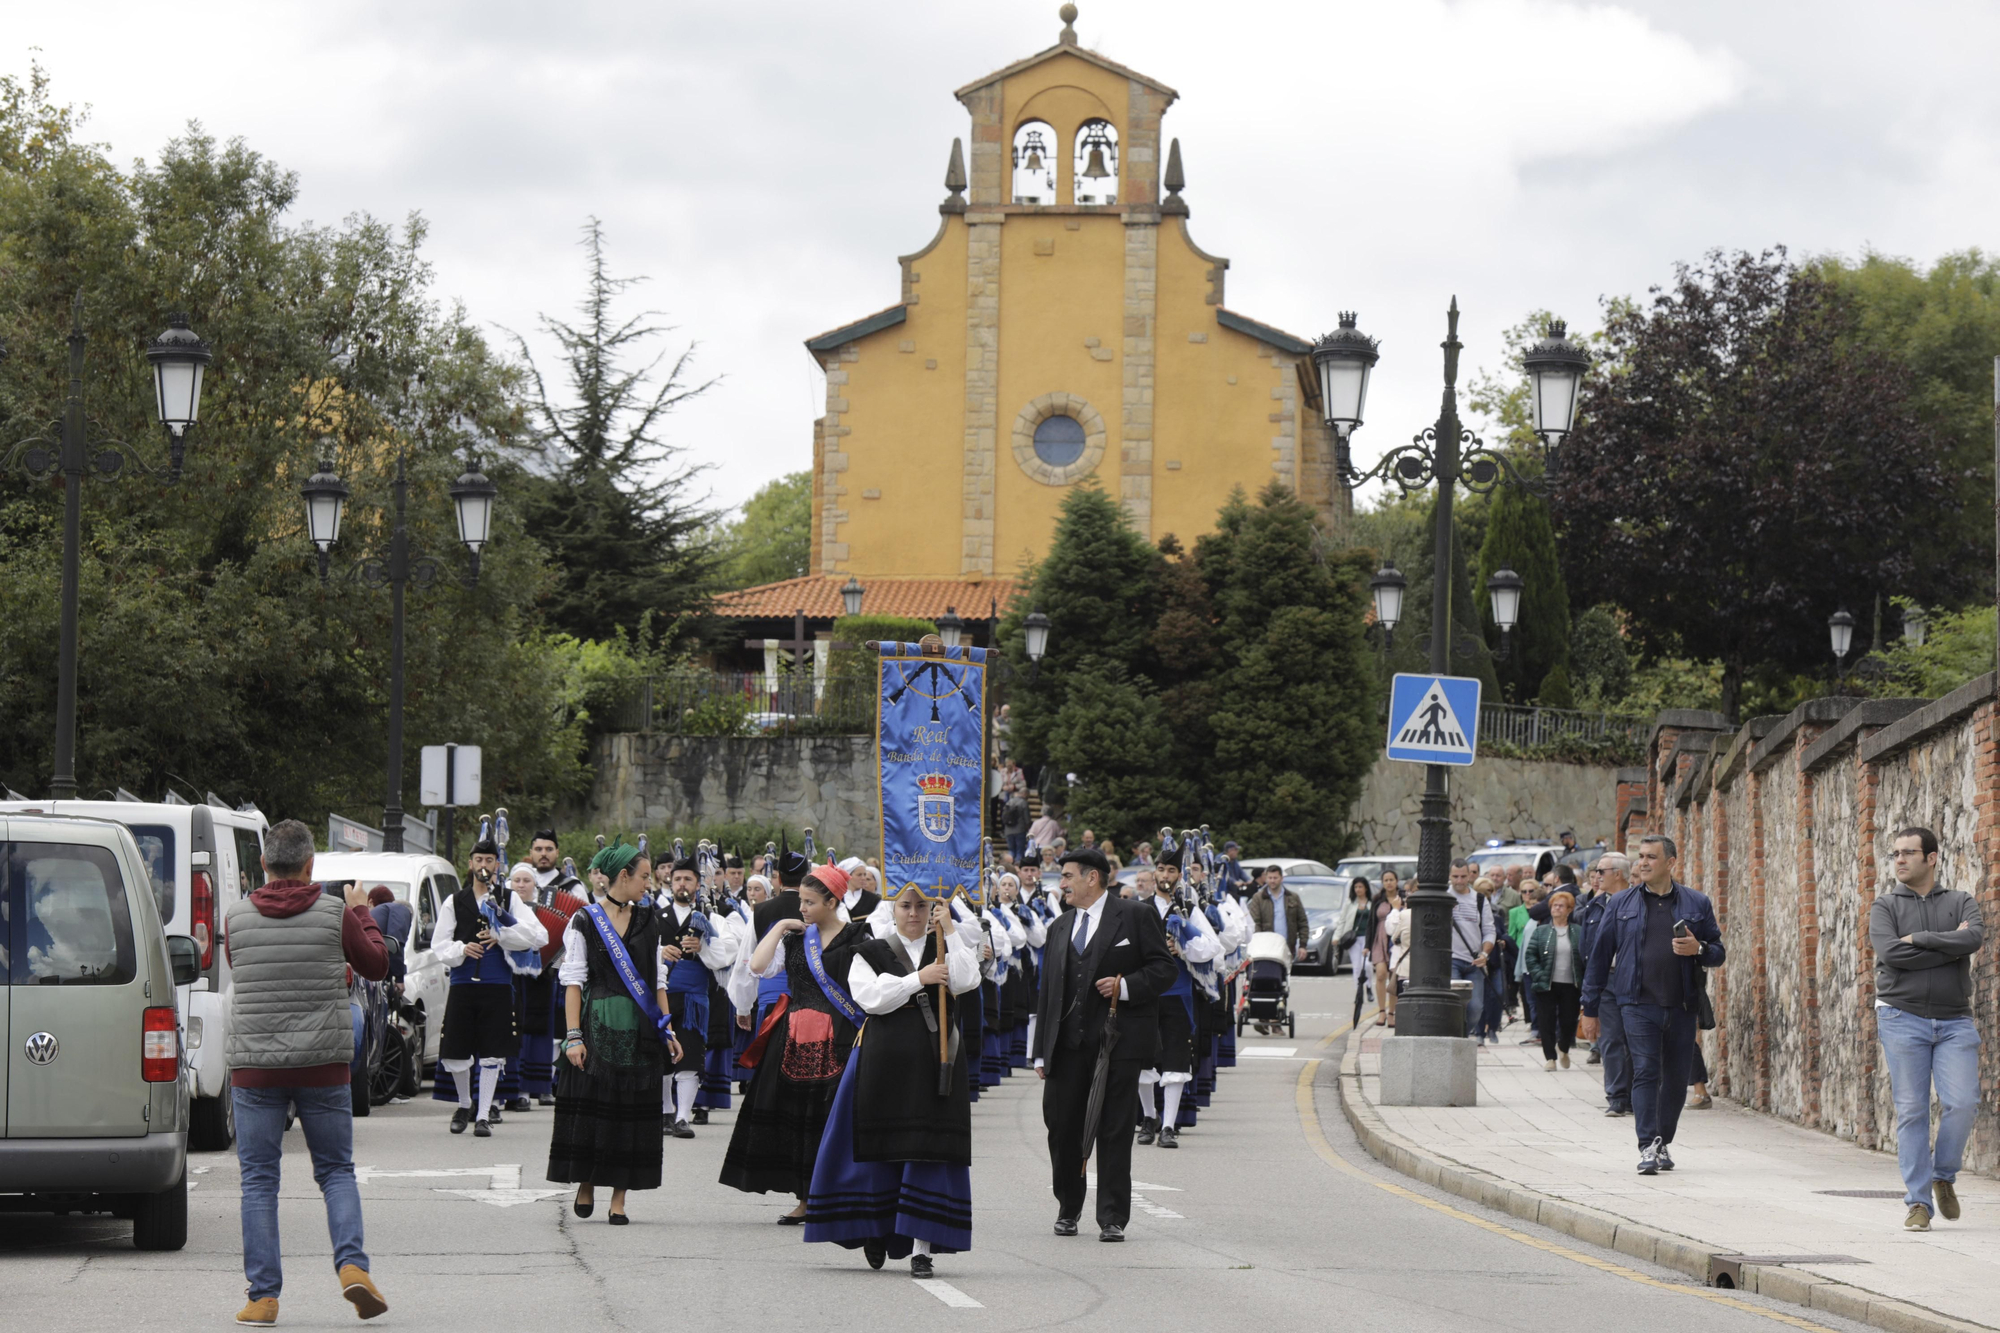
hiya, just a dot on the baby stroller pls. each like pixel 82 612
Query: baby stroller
pixel 1269 971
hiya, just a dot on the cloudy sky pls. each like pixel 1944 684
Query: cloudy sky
pixel 763 163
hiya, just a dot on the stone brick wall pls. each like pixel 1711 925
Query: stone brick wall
pixel 1494 798
pixel 1787 823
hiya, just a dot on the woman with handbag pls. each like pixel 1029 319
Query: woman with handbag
pixel 1552 957
pixel 1393 965
pixel 1352 929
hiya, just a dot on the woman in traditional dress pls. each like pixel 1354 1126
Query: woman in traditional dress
pixel 618 1046
pixel 799 1050
pixel 893 1177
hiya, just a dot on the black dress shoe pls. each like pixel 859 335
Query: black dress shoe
pixel 877 1255
pixel 1111 1231
pixel 792 1220
pixel 583 1209
pixel 1065 1226
pixel 701 1115
pixel 493 1116
pixel 520 1104
pixel 481 1130
pixel 666 1124
pixel 1149 1129
pixel 681 1130
pixel 1169 1137
pixel 546 1099
pixel 920 1265
pixel 460 1119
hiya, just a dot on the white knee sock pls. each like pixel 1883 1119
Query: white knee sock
pixel 686 1085
pixel 461 1077
pixel 1170 1113
pixel 489 1083
pixel 1147 1078
pixel 667 1095
pixel 920 1247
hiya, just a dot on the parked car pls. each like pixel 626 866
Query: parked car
pixel 1321 896
pixel 199 859
pixel 1370 868
pixel 1291 865
pixel 424 882
pixel 96 1103
pixel 1499 855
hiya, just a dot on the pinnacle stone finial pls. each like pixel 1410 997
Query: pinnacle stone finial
pixel 954 180
pixel 1176 181
pixel 1068 15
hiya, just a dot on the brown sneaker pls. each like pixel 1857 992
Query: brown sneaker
pixel 262 1312
pixel 1947 1199
pixel 359 1288
pixel 1919 1218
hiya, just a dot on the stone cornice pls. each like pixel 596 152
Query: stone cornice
pixel 1934 716
pixel 1842 734
pixel 1772 747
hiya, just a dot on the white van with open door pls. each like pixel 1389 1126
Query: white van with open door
pixel 199 859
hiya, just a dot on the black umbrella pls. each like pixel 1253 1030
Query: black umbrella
pixel 1093 1110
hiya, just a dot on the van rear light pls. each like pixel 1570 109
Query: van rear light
pixel 204 917
pixel 159 1051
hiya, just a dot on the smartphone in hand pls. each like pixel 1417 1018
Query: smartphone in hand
pixel 1681 930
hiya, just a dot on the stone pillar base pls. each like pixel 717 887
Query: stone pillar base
pixel 1430 1071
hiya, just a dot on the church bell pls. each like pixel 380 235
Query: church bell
pixel 1095 168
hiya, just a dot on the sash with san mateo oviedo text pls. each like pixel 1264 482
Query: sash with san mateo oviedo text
pixel 621 962
pixel 836 994
pixel 930 735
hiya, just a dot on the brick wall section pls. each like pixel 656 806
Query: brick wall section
pixel 1786 825
pixel 1630 790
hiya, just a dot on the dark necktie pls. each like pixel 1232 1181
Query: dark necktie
pixel 1082 931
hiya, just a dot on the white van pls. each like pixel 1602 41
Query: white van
pixel 424 882
pixel 200 859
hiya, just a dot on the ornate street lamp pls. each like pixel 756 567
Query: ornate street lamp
pixel 1840 629
pixel 950 628
pixel 1556 367
pixel 1504 590
pixel 1036 629
pixel 1387 588
pixel 472 497
pixel 1344 359
pixel 851 593
pixel 1915 625
pixel 179 359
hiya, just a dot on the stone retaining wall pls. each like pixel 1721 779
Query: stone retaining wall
pixel 1787 823
pixel 1493 798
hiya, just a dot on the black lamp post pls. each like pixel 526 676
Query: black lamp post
pixel 472 496
pixel 1448 454
pixel 179 361
pixel 851 593
pixel 1840 628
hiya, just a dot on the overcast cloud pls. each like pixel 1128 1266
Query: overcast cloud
pixel 764 163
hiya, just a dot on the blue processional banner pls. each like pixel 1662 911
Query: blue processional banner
pixel 930 739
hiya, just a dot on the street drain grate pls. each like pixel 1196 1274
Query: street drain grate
pixel 1862 1194
pixel 1726 1270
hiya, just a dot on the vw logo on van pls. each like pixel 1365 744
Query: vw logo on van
pixel 42 1048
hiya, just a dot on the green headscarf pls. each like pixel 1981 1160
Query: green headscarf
pixel 612 861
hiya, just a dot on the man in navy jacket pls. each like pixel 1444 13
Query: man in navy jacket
pixel 1647 960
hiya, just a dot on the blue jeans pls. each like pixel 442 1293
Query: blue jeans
pixel 326 1115
pixel 1660 1041
pixel 1924 1052
pixel 1494 1008
pixel 1475 1001
pixel 1617 1060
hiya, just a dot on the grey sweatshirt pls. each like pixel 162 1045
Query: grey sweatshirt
pixel 1931 976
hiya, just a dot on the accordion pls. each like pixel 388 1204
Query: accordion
pixel 555 916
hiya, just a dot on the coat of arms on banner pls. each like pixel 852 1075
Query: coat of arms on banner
pixel 934 807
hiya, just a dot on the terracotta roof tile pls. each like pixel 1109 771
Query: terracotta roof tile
pixel 819 596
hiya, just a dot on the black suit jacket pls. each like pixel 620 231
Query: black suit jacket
pixel 1129 943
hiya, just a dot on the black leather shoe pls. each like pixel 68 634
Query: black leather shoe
pixel 583 1209
pixel 681 1130
pixel 481 1130
pixel 493 1116
pixel 701 1115
pixel 791 1220
pixel 520 1104
pixel 1169 1137
pixel 1065 1226
pixel 1111 1231
pixel 666 1124
pixel 618 1219
pixel 1149 1129
pixel 876 1254
pixel 460 1119
pixel 920 1265
pixel 546 1099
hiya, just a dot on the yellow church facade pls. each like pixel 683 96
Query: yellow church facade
pixel 1061 324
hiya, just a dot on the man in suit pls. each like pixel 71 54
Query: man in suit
pixel 1102 946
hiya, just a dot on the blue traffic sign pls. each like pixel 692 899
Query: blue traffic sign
pixel 1434 719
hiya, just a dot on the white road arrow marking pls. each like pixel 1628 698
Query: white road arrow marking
pixel 947 1293
pixel 506 1198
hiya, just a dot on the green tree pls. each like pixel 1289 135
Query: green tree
pixel 1112 733
pixel 210 656
pixel 772 540
pixel 1601 668
pixel 606 494
pixel 1519 537
pixel 1099 585
pixel 1296 693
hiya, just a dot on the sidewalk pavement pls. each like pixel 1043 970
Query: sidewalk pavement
pixel 1744 1184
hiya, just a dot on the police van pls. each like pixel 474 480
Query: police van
pixel 199 859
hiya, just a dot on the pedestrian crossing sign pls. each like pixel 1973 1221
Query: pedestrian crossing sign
pixel 1434 719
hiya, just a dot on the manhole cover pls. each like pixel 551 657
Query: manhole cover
pixel 1862 1194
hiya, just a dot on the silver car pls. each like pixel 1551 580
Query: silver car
pixel 96 1108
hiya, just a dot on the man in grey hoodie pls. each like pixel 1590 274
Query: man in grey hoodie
pixel 1924 938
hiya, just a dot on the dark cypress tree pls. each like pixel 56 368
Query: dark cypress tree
pixel 1519 537
pixel 605 494
pixel 1113 733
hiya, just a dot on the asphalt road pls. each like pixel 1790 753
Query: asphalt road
pixel 1268 1217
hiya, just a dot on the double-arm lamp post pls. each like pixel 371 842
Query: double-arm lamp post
pixel 180 360
pixel 472 497
pixel 1448 454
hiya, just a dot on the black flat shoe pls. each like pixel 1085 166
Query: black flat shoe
pixel 788 1220
pixel 617 1219
pixel 480 1130
pixel 701 1115
pixel 459 1120
pixel 584 1209
pixel 1065 1226
pixel 920 1265
pixel 877 1255
pixel 519 1104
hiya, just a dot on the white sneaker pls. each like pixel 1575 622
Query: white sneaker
pixel 1649 1159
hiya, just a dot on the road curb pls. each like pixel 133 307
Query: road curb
pixel 1612 1232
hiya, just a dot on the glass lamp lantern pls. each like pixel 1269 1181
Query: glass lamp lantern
pixel 1840 629
pixel 1344 359
pixel 1504 588
pixel 180 360
pixel 950 628
pixel 851 593
pixel 1036 630
pixel 1555 367
pixel 326 501
pixel 1388 587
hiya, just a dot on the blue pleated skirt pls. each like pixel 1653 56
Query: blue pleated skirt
pixel 892 1203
